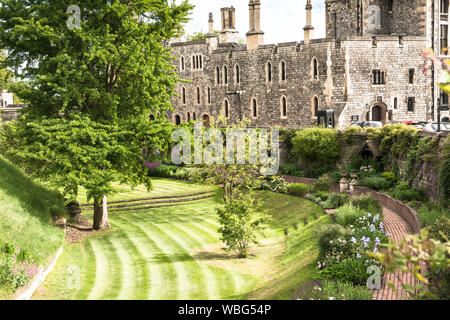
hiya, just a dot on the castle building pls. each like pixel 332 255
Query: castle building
pixel 368 67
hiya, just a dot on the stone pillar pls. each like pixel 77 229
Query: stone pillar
pixel 308 29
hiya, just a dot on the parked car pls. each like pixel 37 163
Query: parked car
pixel 368 124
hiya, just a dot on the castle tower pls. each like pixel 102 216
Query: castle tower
pixel 308 29
pixel 211 37
pixel 255 37
pixel 228 32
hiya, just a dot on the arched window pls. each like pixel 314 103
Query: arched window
pixel 315 106
pixel 237 75
pixel 194 116
pixel 177 119
pixel 198 96
pixel 188 116
pixel 315 69
pixel 269 72
pixel 197 61
pixel 283 107
pixel 282 71
pixel 201 62
pixel 254 108
pixel 390 5
pixel 395 103
pixel 182 63
pixel 225 75
pixel 193 62
pixel 208 91
pixel 217 75
pixel 183 95
pixel 226 108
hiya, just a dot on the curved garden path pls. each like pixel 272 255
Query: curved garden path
pixel 398 228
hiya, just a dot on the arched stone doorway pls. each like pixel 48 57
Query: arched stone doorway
pixel 206 121
pixel 379 113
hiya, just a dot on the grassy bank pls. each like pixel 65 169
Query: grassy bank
pixel 26 208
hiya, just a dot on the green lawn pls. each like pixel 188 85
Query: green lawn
pixel 175 253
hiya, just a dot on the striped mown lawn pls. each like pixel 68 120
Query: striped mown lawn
pixel 160 253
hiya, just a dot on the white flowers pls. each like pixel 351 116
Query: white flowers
pixel 331 298
pixel 358 256
pixel 353 239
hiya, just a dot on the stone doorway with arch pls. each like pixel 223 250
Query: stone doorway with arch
pixel 379 113
pixel 206 121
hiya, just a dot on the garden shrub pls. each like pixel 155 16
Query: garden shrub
pixel 368 204
pixel 444 179
pixel 404 192
pixel 436 219
pixel 17 268
pixel 390 177
pixel 274 184
pixel 323 184
pixel 351 270
pixel 376 183
pixel 291 169
pixel 328 233
pixel 322 195
pixel 338 290
pixel 317 148
pixel 299 189
pixel 337 200
pixel 348 214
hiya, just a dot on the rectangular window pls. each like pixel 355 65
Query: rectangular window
pixel 411 104
pixel 444 39
pixel 411 76
pixel 379 77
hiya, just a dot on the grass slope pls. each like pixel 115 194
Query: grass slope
pixel 26 209
pixel 175 253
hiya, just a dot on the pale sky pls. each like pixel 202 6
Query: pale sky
pixel 281 20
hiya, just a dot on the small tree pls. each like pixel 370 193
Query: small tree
pixel 241 221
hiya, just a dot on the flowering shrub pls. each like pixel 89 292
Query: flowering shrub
pixel 347 257
pixel 17 268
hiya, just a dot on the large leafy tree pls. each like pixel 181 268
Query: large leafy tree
pixel 106 64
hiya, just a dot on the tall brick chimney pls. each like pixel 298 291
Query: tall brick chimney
pixel 228 32
pixel 308 29
pixel 211 37
pixel 255 37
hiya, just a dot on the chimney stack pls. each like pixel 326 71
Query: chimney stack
pixel 309 29
pixel 229 32
pixel 255 37
pixel 211 37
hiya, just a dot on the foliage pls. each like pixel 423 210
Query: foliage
pixel 404 192
pixel 323 184
pixel 196 36
pixel 376 183
pixel 436 219
pixel 274 184
pixel 410 253
pixel 396 140
pixel 348 214
pixel 317 148
pixel 76 151
pixel 368 204
pixel 417 155
pixel 351 270
pixel 291 169
pixel 169 171
pixel 17 268
pixel 333 290
pixel 241 221
pixel 327 234
pixel 444 179
pixel 390 177
pixel 299 189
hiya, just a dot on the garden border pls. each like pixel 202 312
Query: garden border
pixel 408 214
pixel 26 292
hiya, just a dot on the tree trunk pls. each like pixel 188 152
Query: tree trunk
pixel 101 214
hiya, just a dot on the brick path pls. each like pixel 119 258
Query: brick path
pixel 398 228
